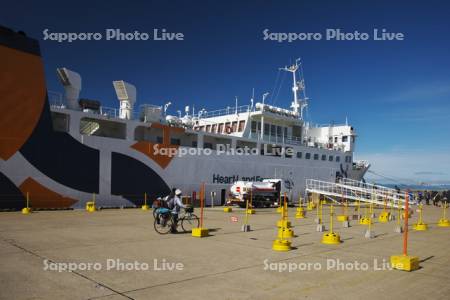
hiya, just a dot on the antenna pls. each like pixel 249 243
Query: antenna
pixel 252 99
pixel 297 104
pixel 72 86
pixel 264 97
pixel 236 104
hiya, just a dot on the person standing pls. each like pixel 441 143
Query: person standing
pixel 175 204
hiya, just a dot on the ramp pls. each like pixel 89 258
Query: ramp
pixel 353 190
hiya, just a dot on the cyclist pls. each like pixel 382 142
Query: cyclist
pixel 175 205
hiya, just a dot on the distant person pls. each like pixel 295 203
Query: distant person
pixel 427 197
pixel 420 197
pixel 437 199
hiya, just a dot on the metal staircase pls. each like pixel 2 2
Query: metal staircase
pixel 352 190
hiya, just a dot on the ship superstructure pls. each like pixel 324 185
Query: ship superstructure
pixel 79 147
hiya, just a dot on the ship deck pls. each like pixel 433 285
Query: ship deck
pixel 229 264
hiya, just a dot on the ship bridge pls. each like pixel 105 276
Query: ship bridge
pixel 353 190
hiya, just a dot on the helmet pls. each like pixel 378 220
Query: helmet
pixel 178 192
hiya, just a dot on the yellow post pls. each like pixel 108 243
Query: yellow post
pixel 249 209
pixel 420 225
pixel 300 214
pixel 320 212
pixel 201 231
pixel 246 226
pixel 331 237
pixel 358 208
pixel 282 244
pixel 331 217
pixel 444 222
pixel 246 211
pixel 145 206
pixel 26 210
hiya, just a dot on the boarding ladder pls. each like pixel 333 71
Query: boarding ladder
pixel 353 190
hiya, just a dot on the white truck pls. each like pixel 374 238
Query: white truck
pixel 264 193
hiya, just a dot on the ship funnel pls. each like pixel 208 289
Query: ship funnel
pixel 72 86
pixel 126 94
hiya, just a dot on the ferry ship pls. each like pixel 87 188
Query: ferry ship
pixel 63 151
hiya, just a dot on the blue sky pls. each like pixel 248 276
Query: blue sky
pixel 395 93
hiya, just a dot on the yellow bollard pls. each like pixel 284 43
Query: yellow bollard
pixel 227 209
pixel 331 238
pixel 384 216
pixel 444 222
pixel 420 225
pixel 365 220
pixel 300 214
pixel 344 216
pixel 405 262
pixel 90 206
pixel 281 243
pixel 145 206
pixel 27 210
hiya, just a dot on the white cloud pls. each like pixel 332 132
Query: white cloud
pixel 423 92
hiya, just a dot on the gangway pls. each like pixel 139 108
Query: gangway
pixel 357 191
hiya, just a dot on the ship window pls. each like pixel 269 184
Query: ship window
pixel 207 146
pixel 159 139
pixel 104 128
pixel 259 126
pixel 330 158
pixel 194 144
pixel 299 154
pixel 220 128
pixel 338 158
pixel 241 125
pixel 335 139
pixel 234 126
pixel 60 122
pixel 266 129
pixel 316 156
pixel 227 125
pixel 273 129
pixel 213 128
pixel 324 157
pixel 308 156
pixel 175 141
pixel 344 138
pixel 285 132
pixel 201 128
pixel 208 128
pixel 254 124
pixel 278 130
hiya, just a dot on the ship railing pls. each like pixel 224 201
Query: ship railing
pixel 326 125
pixel 226 111
pixel 56 99
pixel 379 196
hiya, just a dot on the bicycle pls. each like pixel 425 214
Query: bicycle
pixel 164 220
